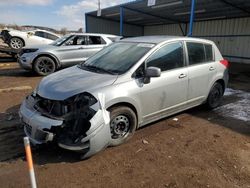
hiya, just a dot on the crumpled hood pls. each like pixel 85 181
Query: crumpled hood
pixel 71 81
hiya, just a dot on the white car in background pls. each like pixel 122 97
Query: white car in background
pixel 18 39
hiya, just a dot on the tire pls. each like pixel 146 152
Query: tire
pixel 16 43
pixel 215 96
pixel 123 123
pixel 44 66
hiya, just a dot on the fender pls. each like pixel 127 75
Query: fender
pixel 58 63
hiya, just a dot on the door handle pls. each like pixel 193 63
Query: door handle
pixel 211 68
pixel 182 76
pixel 80 48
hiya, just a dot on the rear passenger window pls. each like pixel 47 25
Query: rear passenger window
pixel 209 52
pixel 196 53
pixel 93 40
pixel 168 57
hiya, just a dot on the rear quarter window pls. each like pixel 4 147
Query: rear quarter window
pixel 209 52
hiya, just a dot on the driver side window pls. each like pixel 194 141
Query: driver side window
pixel 167 57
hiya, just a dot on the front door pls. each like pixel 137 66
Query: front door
pixel 73 51
pixel 166 94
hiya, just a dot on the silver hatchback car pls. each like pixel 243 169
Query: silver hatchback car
pixel 69 50
pixel 140 79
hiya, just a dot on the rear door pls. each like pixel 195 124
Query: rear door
pixel 95 44
pixel 200 70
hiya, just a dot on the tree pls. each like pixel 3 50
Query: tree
pixel 63 31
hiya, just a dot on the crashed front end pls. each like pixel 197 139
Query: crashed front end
pixel 72 123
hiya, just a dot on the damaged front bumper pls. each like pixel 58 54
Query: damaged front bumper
pixel 41 129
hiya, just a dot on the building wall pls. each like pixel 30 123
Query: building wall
pixel 99 25
pixel 231 35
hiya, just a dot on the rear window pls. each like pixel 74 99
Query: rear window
pixel 209 52
pixel 196 53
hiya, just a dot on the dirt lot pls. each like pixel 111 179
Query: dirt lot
pixel 202 149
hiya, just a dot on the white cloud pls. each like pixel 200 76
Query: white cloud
pixel 74 14
pixel 26 2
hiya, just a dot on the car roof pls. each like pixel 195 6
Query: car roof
pixel 94 34
pixel 43 31
pixel 156 39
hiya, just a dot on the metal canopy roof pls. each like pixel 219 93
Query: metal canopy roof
pixel 175 11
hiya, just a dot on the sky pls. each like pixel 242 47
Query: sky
pixel 50 13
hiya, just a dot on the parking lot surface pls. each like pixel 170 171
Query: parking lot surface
pixel 196 148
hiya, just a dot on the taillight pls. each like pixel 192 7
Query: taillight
pixel 225 63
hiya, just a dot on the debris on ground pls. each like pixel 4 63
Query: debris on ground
pixel 175 119
pixel 145 141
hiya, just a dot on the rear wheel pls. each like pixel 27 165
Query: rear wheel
pixel 44 65
pixel 16 43
pixel 215 96
pixel 123 123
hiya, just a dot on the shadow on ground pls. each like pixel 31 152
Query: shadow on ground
pixel 17 72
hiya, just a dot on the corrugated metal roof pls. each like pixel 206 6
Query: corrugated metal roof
pixel 175 11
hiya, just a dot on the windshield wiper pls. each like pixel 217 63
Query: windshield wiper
pixel 98 69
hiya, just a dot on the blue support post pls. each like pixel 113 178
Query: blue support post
pixel 121 21
pixel 192 14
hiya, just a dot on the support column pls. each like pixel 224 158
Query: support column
pixel 192 15
pixel 121 21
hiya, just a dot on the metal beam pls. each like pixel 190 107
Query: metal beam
pixel 86 23
pixel 121 21
pixel 192 14
pixel 235 6
pixel 99 17
pixel 153 15
pixel 181 29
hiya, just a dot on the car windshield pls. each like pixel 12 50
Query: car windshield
pixel 118 57
pixel 60 41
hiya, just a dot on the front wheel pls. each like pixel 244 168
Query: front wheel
pixel 44 66
pixel 215 96
pixel 123 122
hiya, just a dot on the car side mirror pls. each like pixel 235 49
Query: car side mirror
pixel 30 33
pixel 151 72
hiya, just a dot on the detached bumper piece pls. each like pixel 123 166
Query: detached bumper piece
pixel 72 123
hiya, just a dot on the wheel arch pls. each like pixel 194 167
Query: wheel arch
pixel 222 82
pixel 127 104
pixel 47 55
pixel 18 38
